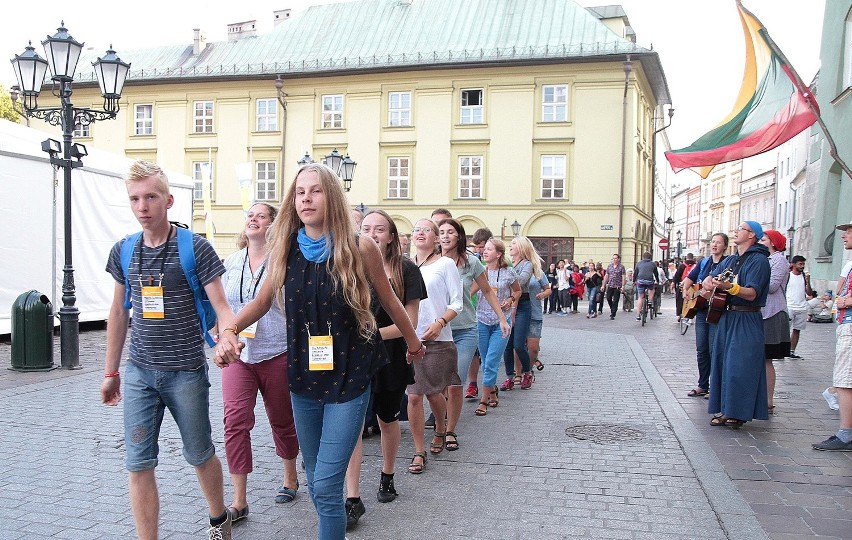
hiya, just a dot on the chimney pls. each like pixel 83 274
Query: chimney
pixel 281 15
pixel 240 30
pixel 199 42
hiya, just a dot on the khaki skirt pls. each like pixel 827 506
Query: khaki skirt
pixel 437 370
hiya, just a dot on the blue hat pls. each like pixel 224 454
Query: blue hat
pixel 756 229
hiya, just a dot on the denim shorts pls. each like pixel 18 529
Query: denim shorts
pixel 535 329
pixel 147 394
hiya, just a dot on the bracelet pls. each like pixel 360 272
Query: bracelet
pixel 234 330
pixel 735 289
pixel 111 374
pixel 442 321
pixel 415 353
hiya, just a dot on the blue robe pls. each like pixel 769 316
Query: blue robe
pixel 738 370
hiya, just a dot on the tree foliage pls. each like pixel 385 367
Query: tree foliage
pixel 6 110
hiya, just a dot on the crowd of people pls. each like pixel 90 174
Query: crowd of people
pixel 323 311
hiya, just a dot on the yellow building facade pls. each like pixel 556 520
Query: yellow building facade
pixel 560 144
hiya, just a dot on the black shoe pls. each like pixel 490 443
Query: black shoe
pixel 833 444
pixel 387 492
pixel 354 510
pixel 430 422
pixel 793 355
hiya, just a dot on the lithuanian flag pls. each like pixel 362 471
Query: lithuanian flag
pixel 773 106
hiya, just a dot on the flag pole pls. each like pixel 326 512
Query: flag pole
pixel 809 97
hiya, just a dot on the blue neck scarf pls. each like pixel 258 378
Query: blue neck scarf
pixel 317 250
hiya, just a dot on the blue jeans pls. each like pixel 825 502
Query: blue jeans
pixel 518 339
pixel 147 394
pixel 491 347
pixel 327 435
pixel 466 340
pixel 702 348
pixel 593 304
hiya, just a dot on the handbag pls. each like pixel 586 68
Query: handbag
pixel 599 296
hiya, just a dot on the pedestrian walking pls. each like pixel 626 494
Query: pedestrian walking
pixel 527 264
pixel 799 292
pixel 614 284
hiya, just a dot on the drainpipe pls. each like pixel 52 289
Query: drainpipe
pixel 628 67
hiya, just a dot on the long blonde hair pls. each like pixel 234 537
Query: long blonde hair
pixel 529 253
pixel 345 265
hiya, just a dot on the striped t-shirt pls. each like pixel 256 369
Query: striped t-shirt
pixel 174 343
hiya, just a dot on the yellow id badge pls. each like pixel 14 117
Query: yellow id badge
pixel 250 331
pixel 152 303
pixel 321 353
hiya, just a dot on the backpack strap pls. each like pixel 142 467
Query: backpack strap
pixel 186 252
pixel 126 255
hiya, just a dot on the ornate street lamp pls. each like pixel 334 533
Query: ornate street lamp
pixel 63 53
pixel 347 172
pixel 669 224
pixel 679 245
pixel 516 228
pixel 306 159
pixel 333 160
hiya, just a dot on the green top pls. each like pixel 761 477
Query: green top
pixel 468 272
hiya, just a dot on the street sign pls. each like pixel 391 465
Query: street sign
pixel 664 244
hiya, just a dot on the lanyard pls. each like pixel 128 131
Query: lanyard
pixel 494 286
pixel 256 280
pixel 163 252
pixel 427 260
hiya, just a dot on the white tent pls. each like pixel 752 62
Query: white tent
pixel 32 224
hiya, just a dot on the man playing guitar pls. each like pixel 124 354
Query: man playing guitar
pixel 692 291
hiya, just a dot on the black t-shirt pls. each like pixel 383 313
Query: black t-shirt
pixel 398 373
pixel 552 278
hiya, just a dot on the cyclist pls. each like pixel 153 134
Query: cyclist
pixel 647 275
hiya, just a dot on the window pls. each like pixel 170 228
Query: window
pixel 553 177
pixel 144 119
pixel 82 130
pixel 201 170
pixel 399 109
pixel 554 103
pixel 470 177
pixel 399 177
pixel 267 115
pixel 267 181
pixel 203 117
pixel 332 111
pixel 471 106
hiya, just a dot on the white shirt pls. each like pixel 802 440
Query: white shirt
pixel 797 300
pixel 443 285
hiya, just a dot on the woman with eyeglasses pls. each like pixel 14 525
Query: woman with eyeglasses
pixel 465 333
pixel 439 368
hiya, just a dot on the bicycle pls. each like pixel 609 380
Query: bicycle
pixel 684 325
pixel 645 307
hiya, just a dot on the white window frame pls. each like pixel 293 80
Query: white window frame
pixel 82 130
pixel 847 52
pixel 266 181
pixel 472 114
pixel 399 177
pixel 198 171
pixel 143 125
pixel 552 178
pixel 554 107
pixel 266 114
pixel 203 115
pixel 332 111
pixel 470 183
pixel 399 109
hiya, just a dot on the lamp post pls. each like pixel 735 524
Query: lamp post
pixel 669 223
pixel 14 94
pixel 282 99
pixel 516 228
pixel 790 232
pixel 306 159
pixel 679 245
pixel 344 166
pixel 63 52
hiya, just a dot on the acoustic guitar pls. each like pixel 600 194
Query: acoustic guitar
pixel 693 303
pixel 719 299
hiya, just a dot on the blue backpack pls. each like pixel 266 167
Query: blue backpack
pixel 206 313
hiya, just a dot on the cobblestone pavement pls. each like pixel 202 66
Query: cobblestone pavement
pixel 605 445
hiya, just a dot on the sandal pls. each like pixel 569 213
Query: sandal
pixel 285 494
pixel 493 399
pixel 698 392
pixel 516 381
pixel 538 364
pixel 771 409
pixel 734 423
pixel 436 449
pixel 417 468
pixel 453 445
pixel 718 420
pixel 481 409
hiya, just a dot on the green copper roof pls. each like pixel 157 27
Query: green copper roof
pixel 374 35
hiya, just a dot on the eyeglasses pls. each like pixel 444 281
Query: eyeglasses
pixel 421 229
pixel 741 228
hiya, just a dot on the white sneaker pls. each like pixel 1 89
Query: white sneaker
pixel 831 399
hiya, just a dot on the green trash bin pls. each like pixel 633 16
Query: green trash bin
pixel 32 333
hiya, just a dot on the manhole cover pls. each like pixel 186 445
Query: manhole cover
pixel 604 433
